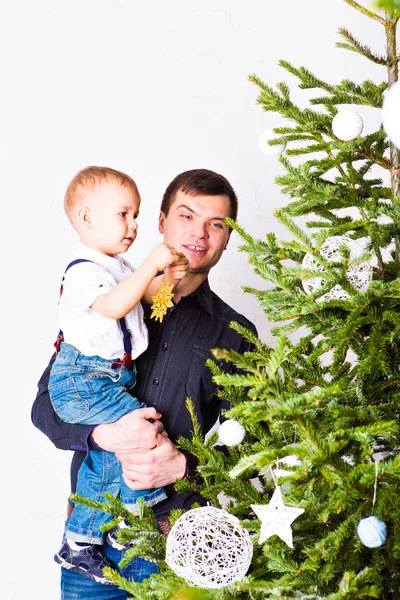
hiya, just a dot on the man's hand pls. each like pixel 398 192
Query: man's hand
pixel 177 270
pixel 162 256
pixel 131 433
pixel 158 467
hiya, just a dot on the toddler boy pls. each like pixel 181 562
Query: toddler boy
pixel 102 332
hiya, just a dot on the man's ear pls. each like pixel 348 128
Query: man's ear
pixel 161 220
pixel 229 237
pixel 84 216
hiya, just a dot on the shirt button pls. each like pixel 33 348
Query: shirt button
pixel 156 381
pixel 164 346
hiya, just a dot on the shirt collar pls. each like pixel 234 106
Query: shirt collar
pixel 204 297
pixel 109 262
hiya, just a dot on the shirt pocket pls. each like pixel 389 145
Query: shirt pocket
pixel 199 385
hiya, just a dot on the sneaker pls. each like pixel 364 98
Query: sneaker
pixel 112 538
pixel 88 561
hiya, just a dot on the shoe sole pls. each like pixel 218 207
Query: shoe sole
pixel 66 565
pixel 116 545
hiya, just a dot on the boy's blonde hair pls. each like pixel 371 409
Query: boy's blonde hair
pixel 87 180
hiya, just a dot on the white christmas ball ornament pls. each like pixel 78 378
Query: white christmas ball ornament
pixel 372 532
pixel 347 125
pixel 231 433
pixel 391 113
pixel 209 548
pixel 265 148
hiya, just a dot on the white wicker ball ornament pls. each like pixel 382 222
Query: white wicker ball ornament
pixel 265 148
pixel 209 548
pixel 390 113
pixel 359 276
pixel 314 283
pixel 347 125
pixel 231 432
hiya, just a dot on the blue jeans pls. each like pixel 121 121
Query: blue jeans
pixel 87 390
pixel 77 587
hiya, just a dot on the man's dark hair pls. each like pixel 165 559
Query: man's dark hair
pixel 200 182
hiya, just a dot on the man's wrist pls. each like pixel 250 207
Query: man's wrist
pixel 192 462
pixel 92 444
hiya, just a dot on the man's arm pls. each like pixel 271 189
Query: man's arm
pixel 63 435
pixel 165 464
pixel 132 432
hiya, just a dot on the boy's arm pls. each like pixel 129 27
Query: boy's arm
pixel 121 299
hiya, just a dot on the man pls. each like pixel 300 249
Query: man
pixel 191 220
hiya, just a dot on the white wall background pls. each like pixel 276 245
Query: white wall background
pixel 152 88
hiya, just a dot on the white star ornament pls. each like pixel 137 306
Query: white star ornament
pixel 276 518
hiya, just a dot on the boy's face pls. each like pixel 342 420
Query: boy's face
pixel 195 226
pixel 109 218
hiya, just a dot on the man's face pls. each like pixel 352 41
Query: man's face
pixel 195 226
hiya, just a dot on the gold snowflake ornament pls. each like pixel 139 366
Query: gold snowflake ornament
pixel 162 301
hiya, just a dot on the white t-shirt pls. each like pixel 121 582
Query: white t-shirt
pixel 87 330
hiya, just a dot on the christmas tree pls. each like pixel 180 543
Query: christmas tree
pixel 321 406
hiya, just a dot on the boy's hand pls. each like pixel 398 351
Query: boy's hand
pixel 162 256
pixel 178 269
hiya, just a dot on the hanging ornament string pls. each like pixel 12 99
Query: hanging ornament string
pixel 290 461
pixel 371 530
pixel 278 472
pixel 295 436
pixel 273 475
pixel 375 484
pixel 162 300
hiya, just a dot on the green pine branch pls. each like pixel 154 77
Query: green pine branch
pixel 355 45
